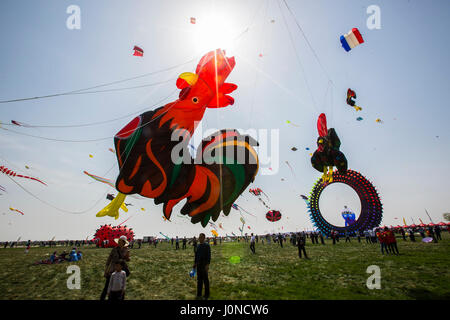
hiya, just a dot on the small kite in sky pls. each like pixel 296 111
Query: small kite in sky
pixel 193 20
pixel 291 123
pixel 14 174
pixel 294 149
pixel 100 179
pixel 138 51
pixel 20 124
pixel 12 209
pixel 379 120
pixel 352 39
pixel 350 96
pixel 273 215
pixel 359 119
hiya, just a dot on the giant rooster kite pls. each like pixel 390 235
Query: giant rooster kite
pixel 156 165
pixel 327 154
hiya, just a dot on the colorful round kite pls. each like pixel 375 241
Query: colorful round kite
pixel 273 215
pixel 371 207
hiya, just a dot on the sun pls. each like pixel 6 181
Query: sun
pixel 213 32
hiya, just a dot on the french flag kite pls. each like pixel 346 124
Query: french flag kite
pixel 351 39
pixel 138 51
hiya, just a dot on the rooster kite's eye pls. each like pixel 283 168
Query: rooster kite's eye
pixel 195 100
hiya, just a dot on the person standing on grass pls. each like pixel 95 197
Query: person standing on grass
pixel 437 231
pixel 301 242
pixel 391 240
pixel 321 238
pixel 333 236
pixel 411 235
pixel 280 239
pixel 347 237
pixel 184 243
pixel 177 243
pixel 422 232
pixel 252 243
pixel 118 254
pixel 431 234
pixel 382 239
pixel 117 283
pixel 402 231
pixel 194 244
pixel 201 264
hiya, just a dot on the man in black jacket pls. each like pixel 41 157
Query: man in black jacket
pixel 301 241
pixel 202 260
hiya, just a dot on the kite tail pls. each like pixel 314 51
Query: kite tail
pixel 21 176
pixel 14 174
pixel 112 209
pixel 228 165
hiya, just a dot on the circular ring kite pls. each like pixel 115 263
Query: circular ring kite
pixel 371 207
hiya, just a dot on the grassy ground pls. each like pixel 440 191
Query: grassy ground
pixel 333 272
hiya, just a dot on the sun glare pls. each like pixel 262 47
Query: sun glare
pixel 214 32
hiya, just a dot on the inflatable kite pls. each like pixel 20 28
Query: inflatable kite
pixel 225 164
pixel 371 207
pixel 14 174
pixel 138 51
pixel 348 216
pixel 12 209
pixel 379 120
pixel 214 232
pixel 193 20
pixel 273 215
pixel 327 154
pixel 359 119
pixel 111 197
pixel 109 233
pixel 350 96
pixel 352 39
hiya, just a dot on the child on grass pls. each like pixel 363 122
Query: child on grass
pixel 117 283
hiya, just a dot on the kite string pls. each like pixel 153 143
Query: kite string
pixel 54 207
pixel 307 41
pixel 101 85
pixel 97 139
pixel 298 57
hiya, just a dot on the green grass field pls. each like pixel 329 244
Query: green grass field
pixel 333 272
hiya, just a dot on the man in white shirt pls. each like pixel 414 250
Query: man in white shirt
pixel 117 283
pixel 252 243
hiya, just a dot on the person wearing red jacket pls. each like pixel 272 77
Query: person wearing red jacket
pixel 382 239
pixel 391 241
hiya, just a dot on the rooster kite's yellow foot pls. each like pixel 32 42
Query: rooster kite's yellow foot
pixel 112 209
pixel 357 108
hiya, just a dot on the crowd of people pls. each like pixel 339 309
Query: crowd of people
pixel 117 270
pixel 71 256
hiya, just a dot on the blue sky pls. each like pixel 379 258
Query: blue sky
pixel 400 75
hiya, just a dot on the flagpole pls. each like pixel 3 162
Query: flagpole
pixel 429 216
